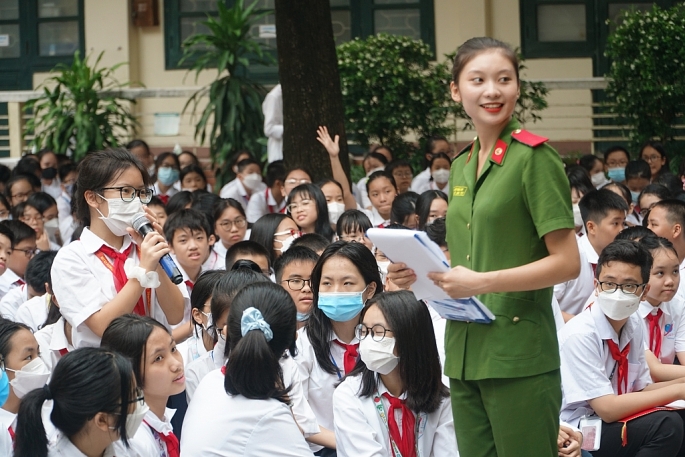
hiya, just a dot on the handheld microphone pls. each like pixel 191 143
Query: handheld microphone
pixel 142 225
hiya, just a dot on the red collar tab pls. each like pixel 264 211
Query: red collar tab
pixel 499 152
pixel 527 138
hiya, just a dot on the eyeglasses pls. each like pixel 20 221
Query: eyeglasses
pixel 139 398
pixel 406 174
pixel 37 218
pixel 612 287
pixel 377 332
pixel 228 225
pixel 298 284
pixel 129 193
pixel 651 159
pixel 353 238
pixel 28 252
pixel 303 204
pixel 297 181
pixel 22 195
pixel 621 163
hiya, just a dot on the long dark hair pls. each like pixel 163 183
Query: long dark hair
pixel 319 326
pixel 253 368
pixel 263 231
pixel 419 363
pixel 423 205
pixel 313 192
pixel 202 291
pixel 85 382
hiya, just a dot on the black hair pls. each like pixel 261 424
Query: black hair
pixel 4 202
pixel 54 314
pixel 319 326
pixel 625 251
pixel 635 233
pixel 386 147
pixel 85 382
pixel 189 219
pixel 66 168
pixel 621 188
pixel 237 154
pixel 27 165
pixel 613 149
pixel 245 247
pixel 193 169
pixel 33 181
pixel 403 206
pixel 588 162
pixel 202 291
pixel 638 169
pixel 323 182
pixel 294 254
pixel 205 202
pixel 437 231
pixel 380 174
pixel 398 163
pixel 196 161
pixel 98 170
pixel 17 210
pixel 223 204
pixel 42 201
pixel 378 156
pixel 247 162
pixel 670 181
pixel 138 144
pixel 38 271
pixel 419 362
pixel 275 171
pixel 128 335
pixel 5 173
pixel 298 168
pixel 313 192
pixel 655 189
pixel 578 179
pixel 313 241
pixel 658 147
pixel 423 205
pixel 160 159
pixel 429 144
pixel 352 220
pixel 675 210
pixel 20 230
pixel 595 205
pixel 7 330
pixel 254 370
pixel 6 231
pixel 263 232
pixel 654 243
pixel 179 201
pixel 156 201
pixel 439 155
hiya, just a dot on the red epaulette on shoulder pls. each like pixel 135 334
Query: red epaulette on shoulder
pixel 527 138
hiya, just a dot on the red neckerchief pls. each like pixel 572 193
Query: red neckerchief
pixel 406 443
pixel 351 355
pixel 117 270
pixel 621 358
pixel 655 332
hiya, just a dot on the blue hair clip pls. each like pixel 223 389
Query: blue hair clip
pixel 253 320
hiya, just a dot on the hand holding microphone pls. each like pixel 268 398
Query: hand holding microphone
pixel 142 225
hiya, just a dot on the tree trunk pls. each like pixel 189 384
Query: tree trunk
pixel 308 71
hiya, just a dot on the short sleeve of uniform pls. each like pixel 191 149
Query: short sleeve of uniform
pixel 679 329
pixel 354 436
pixel 277 434
pixel 582 374
pixel 546 191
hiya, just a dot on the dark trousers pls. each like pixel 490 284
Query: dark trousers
pixel 659 434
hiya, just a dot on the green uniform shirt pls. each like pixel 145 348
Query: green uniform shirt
pixel 497 222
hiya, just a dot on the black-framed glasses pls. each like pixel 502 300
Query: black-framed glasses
pixel 29 253
pixel 377 332
pixel 298 284
pixel 129 193
pixel 139 398
pixel 612 287
pixel 228 225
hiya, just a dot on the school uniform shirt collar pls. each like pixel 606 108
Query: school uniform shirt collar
pixel 382 389
pixel 241 188
pixel 647 308
pixel 271 201
pixel 92 243
pixel 590 253
pixel 10 276
pixel 682 266
pixel 64 447
pixel 333 337
pixel 606 332
pixel 158 425
pixel 59 338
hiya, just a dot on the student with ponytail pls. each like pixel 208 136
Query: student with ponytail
pixel 96 408
pixel 251 399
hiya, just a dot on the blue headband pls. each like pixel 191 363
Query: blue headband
pixel 253 320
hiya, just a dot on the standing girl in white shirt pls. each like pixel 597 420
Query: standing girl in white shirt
pixel 158 368
pixel 394 401
pixel 96 408
pixel 251 401
pixel 111 270
pixel 345 276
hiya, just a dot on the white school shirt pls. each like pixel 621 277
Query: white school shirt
pixel 432 185
pixel 671 324
pixel 214 261
pixel 680 293
pixel 197 369
pixel 573 294
pixel 9 280
pixel 65 218
pixel 257 428
pixel 146 442
pixel 173 190
pixel 363 193
pixel 52 342
pixel 420 182
pixel 12 300
pixel 77 273
pixel 33 312
pixel 220 251
pixel 272 107
pixel 360 431
pixel 237 192
pixel 192 348
pixel 61 446
pixel 54 189
pixel 586 362
pixel 262 203
pixel 377 219
pixel 7 421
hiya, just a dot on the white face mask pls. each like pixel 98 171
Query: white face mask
pixel 32 376
pixel 577 218
pixel 286 243
pixel 618 305
pixel 134 419
pixel 598 179
pixel 252 181
pixel 335 209
pixel 441 176
pixel 378 355
pixel 120 214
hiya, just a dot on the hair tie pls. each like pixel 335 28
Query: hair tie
pixel 253 320
pixel 46 390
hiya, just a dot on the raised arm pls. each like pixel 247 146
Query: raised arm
pixel 333 148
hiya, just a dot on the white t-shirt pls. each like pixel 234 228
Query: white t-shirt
pixel 361 432
pixel 258 428
pixel 671 326
pixel 573 294
pixel 33 312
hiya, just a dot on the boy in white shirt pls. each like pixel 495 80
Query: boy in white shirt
pixel 33 311
pixel 603 368
pixel 248 181
pixel 603 214
pixel 23 249
pixel 667 219
pixel 271 200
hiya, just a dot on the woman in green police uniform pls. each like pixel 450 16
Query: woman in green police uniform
pixel 510 237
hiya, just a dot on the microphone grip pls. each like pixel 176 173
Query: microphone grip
pixel 167 263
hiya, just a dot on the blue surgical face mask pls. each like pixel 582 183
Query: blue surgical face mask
pixel 635 196
pixel 4 387
pixel 167 175
pixel 341 306
pixel 302 317
pixel 617 174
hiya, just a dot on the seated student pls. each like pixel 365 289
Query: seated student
pixel 141 150
pixel 158 209
pixel 404 210
pixel 373 162
pixel 580 185
pixel 187 158
pixel 430 205
pixel 352 227
pixel 193 178
pixel 662 312
pixel 34 311
pixel 434 144
pixel 439 165
pixel 23 249
pixel 595 169
pixel 248 181
pixel 649 196
pixel 667 220
pixel 293 178
pixel 397 381
pixel 54 336
pixel 87 389
pixel 620 189
pixel 6 244
pixel 382 192
pixel 230 226
pixel 276 233
pixel 167 169
pixel 333 193
pixel 655 155
pixel 294 273
pixel 616 159
pixel 47 208
pixel 603 214
pixel 605 344
pixel 271 200
pixel 20 187
pixel 249 250
pixel 313 241
pixel 437 232
pixel 308 208
pixel 635 233
pixel 158 368
pixel 401 171
pixel 29 214
pixel 181 200
pixel 637 178
pixel 252 398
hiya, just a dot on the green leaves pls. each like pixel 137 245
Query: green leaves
pixel 72 115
